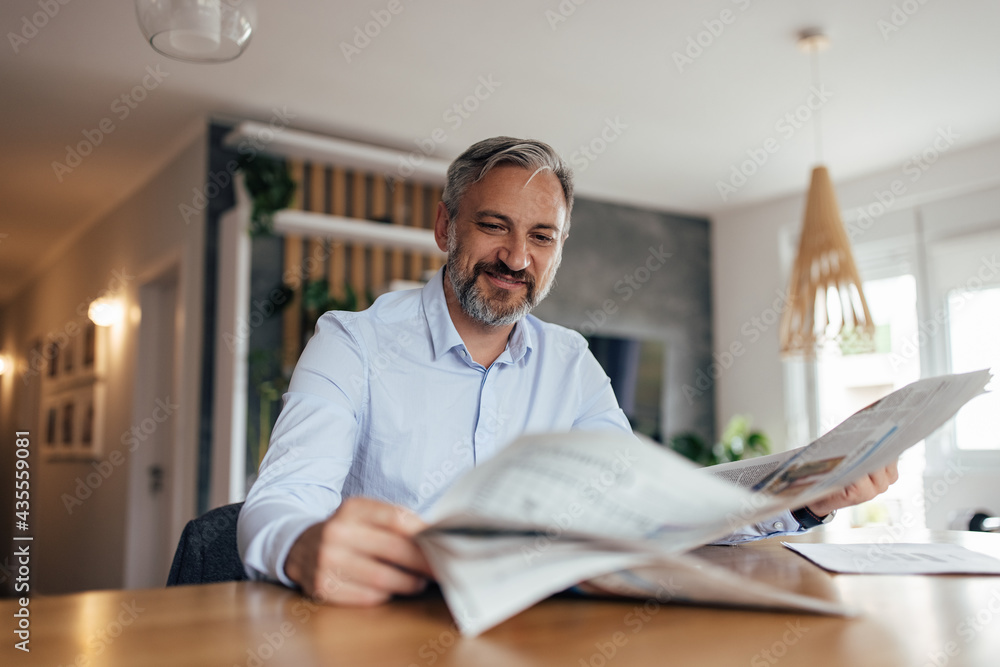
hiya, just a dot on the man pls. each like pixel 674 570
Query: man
pixel 388 406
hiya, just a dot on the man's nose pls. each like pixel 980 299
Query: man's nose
pixel 514 253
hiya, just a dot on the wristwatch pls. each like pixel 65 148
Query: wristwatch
pixel 807 519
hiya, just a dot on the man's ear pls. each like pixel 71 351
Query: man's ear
pixel 441 227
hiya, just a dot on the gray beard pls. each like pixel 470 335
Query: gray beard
pixel 477 305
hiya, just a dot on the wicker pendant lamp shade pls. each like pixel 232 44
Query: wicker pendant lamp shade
pixel 824 277
pixel 823 267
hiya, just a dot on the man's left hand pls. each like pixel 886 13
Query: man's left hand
pixel 860 491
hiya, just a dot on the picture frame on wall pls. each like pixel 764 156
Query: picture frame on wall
pixel 73 423
pixel 74 393
pixel 78 356
pixel 52 355
pixel 90 402
pixel 50 425
pixel 67 425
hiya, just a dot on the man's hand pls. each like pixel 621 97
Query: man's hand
pixel 862 490
pixel 361 555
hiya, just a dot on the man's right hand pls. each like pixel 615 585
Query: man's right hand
pixel 361 555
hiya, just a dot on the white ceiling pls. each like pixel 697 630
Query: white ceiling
pixel 607 60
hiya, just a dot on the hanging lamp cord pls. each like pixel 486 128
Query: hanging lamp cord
pixel 817 124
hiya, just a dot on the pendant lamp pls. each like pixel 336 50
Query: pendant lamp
pixel 197 31
pixel 825 297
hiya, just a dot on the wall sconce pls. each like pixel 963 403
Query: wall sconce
pixel 4 363
pixel 105 311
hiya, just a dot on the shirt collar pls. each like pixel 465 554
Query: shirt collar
pixel 444 335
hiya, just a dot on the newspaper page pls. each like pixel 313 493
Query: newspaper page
pixel 553 510
pixel 587 484
pixel 483 589
pixel 872 438
pixel 749 472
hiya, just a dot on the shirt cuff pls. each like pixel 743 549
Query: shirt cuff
pixel 781 524
pixel 269 563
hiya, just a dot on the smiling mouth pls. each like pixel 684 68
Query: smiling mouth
pixel 502 281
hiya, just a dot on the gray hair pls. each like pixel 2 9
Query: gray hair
pixel 472 166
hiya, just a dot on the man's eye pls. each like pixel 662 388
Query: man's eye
pixel 490 227
pixel 542 238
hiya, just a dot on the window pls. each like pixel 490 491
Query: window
pixel 849 378
pixel 974 343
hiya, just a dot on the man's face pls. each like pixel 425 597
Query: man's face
pixel 505 244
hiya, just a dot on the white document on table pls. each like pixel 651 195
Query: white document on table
pixel 897 558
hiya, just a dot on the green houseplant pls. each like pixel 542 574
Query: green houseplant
pixel 739 441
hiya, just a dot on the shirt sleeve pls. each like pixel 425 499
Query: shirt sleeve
pixel 599 408
pixel 782 524
pixel 310 453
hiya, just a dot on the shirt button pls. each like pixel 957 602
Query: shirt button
pixel 779 525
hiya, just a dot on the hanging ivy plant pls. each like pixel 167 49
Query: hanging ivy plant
pixel 271 189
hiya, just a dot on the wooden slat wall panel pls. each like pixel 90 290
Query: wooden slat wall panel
pixel 355 194
pixel 398 218
pixel 317 204
pixel 378 210
pixel 359 210
pixel 292 275
pixel 417 220
pixel 433 198
pixel 337 267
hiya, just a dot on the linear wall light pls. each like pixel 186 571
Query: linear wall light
pixel 353 230
pixel 355 155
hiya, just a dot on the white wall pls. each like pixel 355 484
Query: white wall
pixel 84 549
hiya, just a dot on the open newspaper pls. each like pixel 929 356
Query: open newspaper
pixel 616 515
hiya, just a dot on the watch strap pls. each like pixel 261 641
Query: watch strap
pixel 809 519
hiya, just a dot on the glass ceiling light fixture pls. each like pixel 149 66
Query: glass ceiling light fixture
pixel 825 299
pixel 197 31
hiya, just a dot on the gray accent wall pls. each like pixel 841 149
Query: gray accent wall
pixel 617 279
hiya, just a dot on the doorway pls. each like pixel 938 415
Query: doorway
pixel 152 440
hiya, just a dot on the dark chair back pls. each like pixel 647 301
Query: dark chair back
pixel 207 552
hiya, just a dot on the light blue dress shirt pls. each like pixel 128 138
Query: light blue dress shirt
pixel 387 403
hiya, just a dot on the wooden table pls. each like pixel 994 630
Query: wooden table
pixel 906 620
